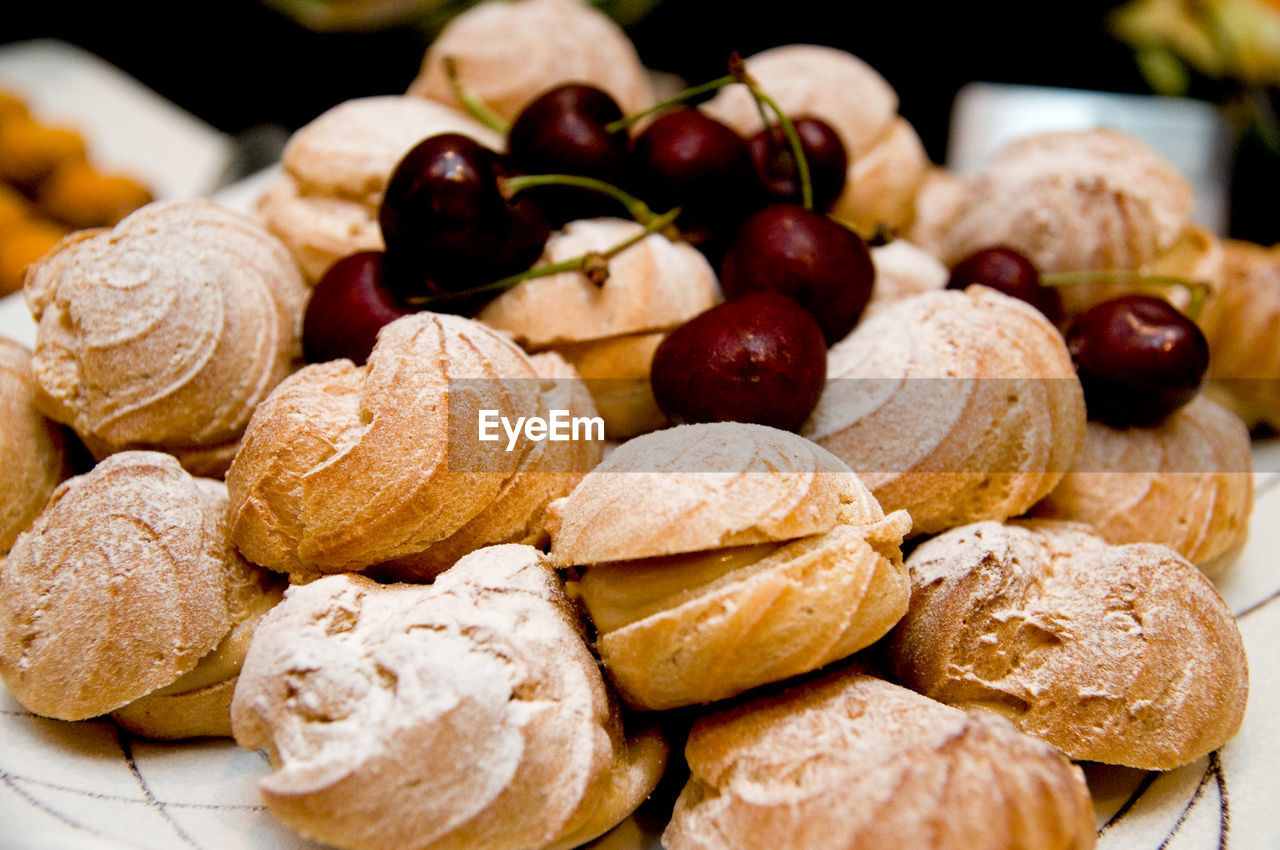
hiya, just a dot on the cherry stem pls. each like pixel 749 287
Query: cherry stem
pixel 476 107
pixel 593 264
pixel 1198 291
pixel 636 208
pixel 738 70
pixel 688 94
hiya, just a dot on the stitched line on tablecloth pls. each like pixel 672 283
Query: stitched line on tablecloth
pixel 8 780
pixel 1212 770
pixel 1249 609
pixel 120 798
pixel 126 749
pixel 1132 801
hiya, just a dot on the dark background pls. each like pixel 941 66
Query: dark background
pixel 240 65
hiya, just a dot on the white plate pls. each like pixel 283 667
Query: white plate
pixel 90 785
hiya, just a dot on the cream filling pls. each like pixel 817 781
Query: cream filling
pixel 624 592
pixel 224 660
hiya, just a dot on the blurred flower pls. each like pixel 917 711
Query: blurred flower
pixel 1221 39
pixel 1233 45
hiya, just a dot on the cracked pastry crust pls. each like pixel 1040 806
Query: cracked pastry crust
pixel 953 406
pixel 349 467
pixel 124 584
pixel 1120 654
pixel 887 161
pixel 165 331
pixel 335 168
pixel 468 713
pixel 33 458
pixel 848 760
pixel 716 558
pixel 1185 483
pixel 510 52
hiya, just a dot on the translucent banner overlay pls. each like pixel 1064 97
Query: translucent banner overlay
pixel 883 427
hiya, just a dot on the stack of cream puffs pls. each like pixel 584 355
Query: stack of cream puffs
pixel 902 625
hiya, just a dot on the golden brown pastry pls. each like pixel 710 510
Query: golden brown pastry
pixel 714 558
pixel 166 331
pixel 1115 654
pixel 334 170
pixel 33 459
pixel 609 331
pixel 464 714
pixel 848 760
pixel 510 51
pixel 344 468
pixel 125 584
pixel 887 160
pixel 953 406
pixel 1185 483
pixel 1240 321
pixel 1075 201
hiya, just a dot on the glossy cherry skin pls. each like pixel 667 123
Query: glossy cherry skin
pixel 779 174
pixel 444 217
pixel 348 306
pixel 806 255
pixel 1138 358
pixel 564 131
pixel 1011 272
pixel 688 159
pixel 760 358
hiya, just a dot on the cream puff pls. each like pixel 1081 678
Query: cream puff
pixel 334 171
pixel 509 52
pixel 347 468
pixel 125 591
pixel 1120 654
pixel 1076 201
pixel 466 713
pixel 715 558
pixel 1185 483
pixel 887 160
pixel 954 406
pixel 166 331
pixel 33 457
pixel 609 331
pixel 1239 322
pixel 851 760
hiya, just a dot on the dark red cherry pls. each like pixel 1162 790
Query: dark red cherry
pixel 806 255
pixel 564 131
pixel 760 358
pixel 779 174
pixel 688 159
pixel 1009 271
pixel 1139 359
pixel 444 217
pixel 348 306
